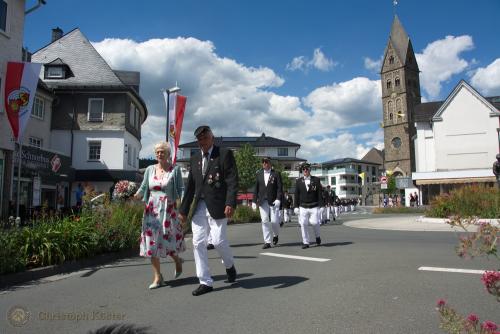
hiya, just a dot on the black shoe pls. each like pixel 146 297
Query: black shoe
pixel 202 289
pixel 304 246
pixel 210 246
pixel 333 218
pixel 266 246
pixel 275 240
pixel 318 241
pixel 231 274
pixel 281 224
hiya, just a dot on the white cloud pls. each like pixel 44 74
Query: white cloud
pixel 373 65
pixel 441 60
pixel 319 61
pixel 353 102
pixel 487 79
pixel 236 100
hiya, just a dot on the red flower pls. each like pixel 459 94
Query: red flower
pixel 165 237
pixel 157 188
pixel 441 303
pixel 472 318
pixel 489 326
pixel 149 233
pixel 150 252
pixel 151 243
pixel 178 236
pixel 173 215
pixel 166 223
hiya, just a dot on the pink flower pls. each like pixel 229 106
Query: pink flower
pixel 472 318
pixel 441 303
pixel 489 326
pixel 490 279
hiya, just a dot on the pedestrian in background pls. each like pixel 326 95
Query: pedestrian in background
pixel 268 192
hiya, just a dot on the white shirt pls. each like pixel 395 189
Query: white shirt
pixel 203 160
pixel 267 174
pixel 307 181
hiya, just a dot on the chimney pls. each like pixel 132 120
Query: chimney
pixel 56 34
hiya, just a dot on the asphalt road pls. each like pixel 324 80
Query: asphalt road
pixel 368 283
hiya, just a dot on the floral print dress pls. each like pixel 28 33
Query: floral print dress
pixel 162 233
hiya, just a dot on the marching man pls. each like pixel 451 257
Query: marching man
pixel 308 200
pixel 267 194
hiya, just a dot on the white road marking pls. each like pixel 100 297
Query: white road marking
pixel 453 270
pixel 315 259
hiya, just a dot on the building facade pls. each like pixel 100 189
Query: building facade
pixel 97 114
pixel 457 141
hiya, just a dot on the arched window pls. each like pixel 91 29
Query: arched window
pixel 391 60
pixel 388 84
pixel 398 104
pixel 390 116
pixel 397 82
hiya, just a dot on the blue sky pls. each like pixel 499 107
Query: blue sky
pixel 303 71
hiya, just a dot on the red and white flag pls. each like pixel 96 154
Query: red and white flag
pixel 20 88
pixel 177 106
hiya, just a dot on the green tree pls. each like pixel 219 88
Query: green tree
pixel 247 164
pixel 285 179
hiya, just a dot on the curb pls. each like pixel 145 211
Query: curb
pixel 66 267
pixel 423 219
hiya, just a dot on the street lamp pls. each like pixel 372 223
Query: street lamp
pixel 170 91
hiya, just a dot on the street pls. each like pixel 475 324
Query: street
pixel 358 281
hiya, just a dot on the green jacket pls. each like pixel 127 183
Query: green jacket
pixel 176 190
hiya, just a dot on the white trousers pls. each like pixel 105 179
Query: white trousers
pixel 202 221
pixel 286 215
pixel 308 216
pixel 270 221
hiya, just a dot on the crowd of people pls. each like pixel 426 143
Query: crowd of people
pixel 208 200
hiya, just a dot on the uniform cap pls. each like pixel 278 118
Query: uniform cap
pixel 201 129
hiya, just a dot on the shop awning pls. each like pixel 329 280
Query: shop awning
pixel 455 180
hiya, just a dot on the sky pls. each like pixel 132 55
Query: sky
pixel 305 71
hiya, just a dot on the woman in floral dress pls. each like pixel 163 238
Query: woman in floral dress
pixel 162 232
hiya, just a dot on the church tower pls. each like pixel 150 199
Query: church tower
pixel 400 94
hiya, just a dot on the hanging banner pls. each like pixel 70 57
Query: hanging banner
pixel 177 106
pixel 20 87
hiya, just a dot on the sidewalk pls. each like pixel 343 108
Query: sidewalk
pixel 409 223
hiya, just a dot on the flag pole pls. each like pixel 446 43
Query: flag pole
pixel 168 92
pixel 19 159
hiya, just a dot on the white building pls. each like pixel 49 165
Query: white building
pixel 457 141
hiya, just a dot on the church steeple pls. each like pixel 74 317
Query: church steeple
pixel 400 93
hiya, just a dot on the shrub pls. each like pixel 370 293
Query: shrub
pixel 399 209
pixel 245 214
pixel 108 228
pixel 467 201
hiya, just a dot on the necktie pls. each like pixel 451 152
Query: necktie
pixel 205 164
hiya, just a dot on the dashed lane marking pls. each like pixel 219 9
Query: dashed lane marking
pixel 295 257
pixel 453 270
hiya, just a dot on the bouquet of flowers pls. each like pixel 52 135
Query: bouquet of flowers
pixel 124 189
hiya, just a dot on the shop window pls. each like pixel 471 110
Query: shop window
pixel 95 110
pixel 38 108
pixel 36 142
pixel 282 151
pixel 3 16
pixel 94 150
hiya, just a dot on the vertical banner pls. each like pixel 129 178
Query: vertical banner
pixel 20 87
pixel 177 106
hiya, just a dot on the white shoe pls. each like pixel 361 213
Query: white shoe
pixel 157 285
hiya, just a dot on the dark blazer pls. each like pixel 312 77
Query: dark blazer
pixel 308 198
pixel 219 186
pixel 271 192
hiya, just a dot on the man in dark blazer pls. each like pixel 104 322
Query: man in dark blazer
pixel 267 195
pixel 211 193
pixel 308 200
